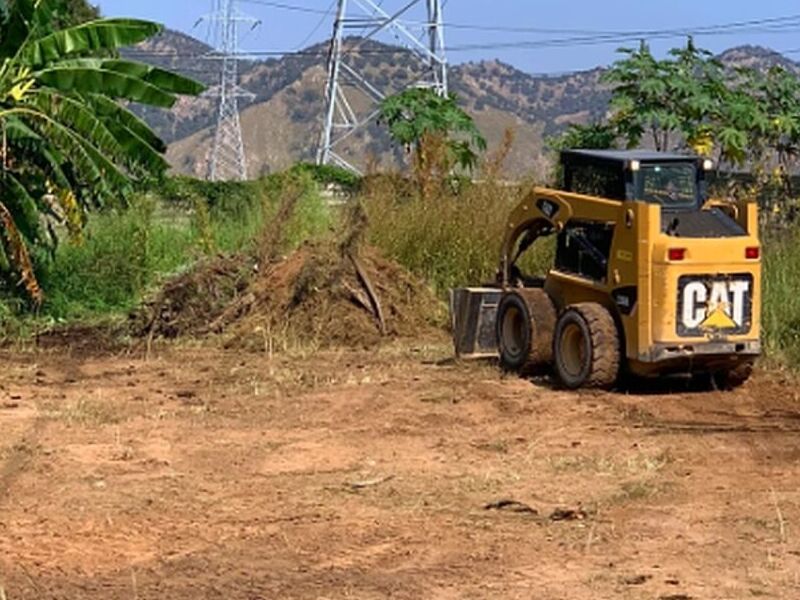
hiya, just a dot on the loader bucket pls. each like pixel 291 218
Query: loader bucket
pixel 473 312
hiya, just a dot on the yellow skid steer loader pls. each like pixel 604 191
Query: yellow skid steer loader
pixel 650 277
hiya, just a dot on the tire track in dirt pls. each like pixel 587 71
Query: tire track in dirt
pixel 238 484
pixel 21 454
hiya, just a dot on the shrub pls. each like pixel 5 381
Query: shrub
pixel 329 174
pixel 127 251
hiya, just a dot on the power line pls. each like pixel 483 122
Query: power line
pixel 606 40
pixel 318 26
pixel 524 45
pixel 777 25
pixel 284 6
pixel 645 32
pixel 546 31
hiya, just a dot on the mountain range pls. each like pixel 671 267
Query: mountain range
pixel 281 119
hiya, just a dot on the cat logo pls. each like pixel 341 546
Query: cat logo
pixel 712 305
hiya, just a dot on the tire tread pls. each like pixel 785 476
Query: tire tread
pixel 605 345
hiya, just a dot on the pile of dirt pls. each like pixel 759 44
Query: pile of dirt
pixel 321 295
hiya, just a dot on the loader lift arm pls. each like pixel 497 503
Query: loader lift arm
pixel 540 214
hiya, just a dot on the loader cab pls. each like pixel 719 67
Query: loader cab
pixel 674 181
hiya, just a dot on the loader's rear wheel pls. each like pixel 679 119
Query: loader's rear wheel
pixel 525 322
pixel 586 347
pixel 730 379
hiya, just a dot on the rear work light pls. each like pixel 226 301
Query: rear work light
pixel 676 253
pixel 752 253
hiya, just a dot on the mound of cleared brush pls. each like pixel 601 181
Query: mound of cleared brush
pixel 334 292
pixel 321 296
pixel 189 303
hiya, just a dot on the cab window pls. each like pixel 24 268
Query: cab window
pixel 596 180
pixel 673 186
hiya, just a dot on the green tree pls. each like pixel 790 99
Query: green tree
pixel 671 101
pixel 779 92
pixel 760 127
pixel 419 116
pixel 66 143
pixel 594 136
pixel 75 12
pixel 741 121
pixel 639 97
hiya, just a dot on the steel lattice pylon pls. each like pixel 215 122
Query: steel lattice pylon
pixel 227 161
pixel 341 120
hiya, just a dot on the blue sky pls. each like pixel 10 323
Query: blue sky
pixel 282 29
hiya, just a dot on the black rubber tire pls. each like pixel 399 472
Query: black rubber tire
pixel 525 322
pixel 586 347
pixel 730 379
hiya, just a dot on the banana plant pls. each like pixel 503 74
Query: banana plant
pixel 68 142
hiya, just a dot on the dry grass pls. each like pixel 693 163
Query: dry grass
pixel 631 491
pixel 85 412
pixel 451 238
pixel 638 464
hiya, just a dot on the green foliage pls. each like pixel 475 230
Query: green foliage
pixel 670 101
pixel 417 113
pixel 781 305
pixel 595 136
pixel 329 174
pixel 128 250
pixel 125 250
pixel 689 101
pixel 67 145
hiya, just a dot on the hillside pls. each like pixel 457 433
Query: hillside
pixel 281 123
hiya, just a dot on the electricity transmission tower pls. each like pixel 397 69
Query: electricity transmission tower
pixel 227 161
pixel 365 20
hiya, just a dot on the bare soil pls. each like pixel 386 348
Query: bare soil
pixel 209 473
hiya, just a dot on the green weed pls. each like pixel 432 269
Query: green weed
pixel 122 253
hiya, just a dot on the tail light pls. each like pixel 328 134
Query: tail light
pixel 676 253
pixel 752 253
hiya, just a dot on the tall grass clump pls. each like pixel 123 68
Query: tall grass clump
pixel 781 300
pixel 122 253
pixel 451 239
pixel 311 217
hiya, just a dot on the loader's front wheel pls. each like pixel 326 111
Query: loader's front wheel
pixel 525 322
pixel 586 347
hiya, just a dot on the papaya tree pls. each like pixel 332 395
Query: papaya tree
pixel 671 102
pixel 68 142
pixel 591 136
pixel 435 130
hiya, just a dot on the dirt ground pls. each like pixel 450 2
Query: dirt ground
pixel 204 473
